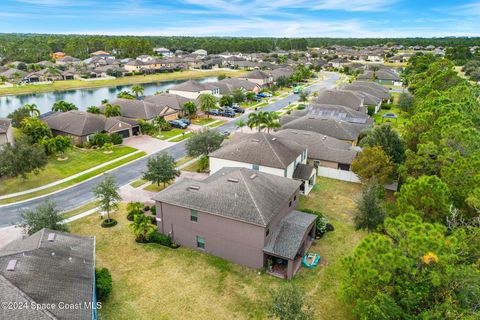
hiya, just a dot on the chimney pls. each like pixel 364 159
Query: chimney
pixel 51 237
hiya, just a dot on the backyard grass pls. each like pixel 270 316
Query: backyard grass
pixel 164 135
pixel 398 124
pixel 78 160
pixel 152 281
pixel 77 84
pixel 78 179
pixel 202 121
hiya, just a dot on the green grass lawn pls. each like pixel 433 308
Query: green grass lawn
pixel 154 188
pixel 217 124
pixel 398 124
pixel 81 209
pixel 78 160
pixel 164 135
pixel 138 183
pixel 192 167
pixel 183 160
pixel 185 136
pixel 78 179
pixel 202 121
pixel 152 281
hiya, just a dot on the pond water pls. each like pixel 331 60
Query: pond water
pixel 82 98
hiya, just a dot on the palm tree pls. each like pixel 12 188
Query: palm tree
pixel 137 90
pixel 33 109
pixel 63 106
pixel 270 120
pixel 141 227
pixel 190 109
pixel 240 124
pixel 207 102
pixel 254 121
pixel 112 110
pixel 94 110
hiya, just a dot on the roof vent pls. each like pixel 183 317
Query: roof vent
pixel 11 265
pixel 53 254
pixel 235 180
pixel 51 237
pixel 255 140
pixel 274 139
pixel 70 259
pixel 253 176
pixel 324 137
pixel 194 187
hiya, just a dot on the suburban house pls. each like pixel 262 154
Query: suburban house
pixel 163 51
pixel 332 158
pixel 67 60
pixel 251 220
pixel 141 109
pixel 259 77
pixel 345 98
pixel 57 55
pixel 337 129
pixel 265 153
pixel 228 85
pixel 49 267
pixel 145 58
pixel 334 112
pixel 370 88
pixel 382 76
pixel 134 66
pixel 172 101
pixel 200 52
pixel 6 131
pixel 192 89
pixel 81 125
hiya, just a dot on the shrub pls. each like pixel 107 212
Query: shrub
pixel 108 223
pixel 371 110
pixel 153 220
pixel 146 208
pixel 115 138
pixel 99 139
pixel 322 225
pixel 103 283
pixel 202 163
pixel 132 214
pixel 301 107
pixel 386 106
pixel 153 210
pixel 157 237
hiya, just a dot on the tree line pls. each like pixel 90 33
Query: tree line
pixel 37 47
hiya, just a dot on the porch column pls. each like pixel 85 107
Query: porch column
pixel 290 269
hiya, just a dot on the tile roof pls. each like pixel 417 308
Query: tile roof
pixel 236 193
pixel 46 271
pixel 260 148
pixel 287 238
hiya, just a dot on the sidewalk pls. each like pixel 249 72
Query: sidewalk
pixel 13 195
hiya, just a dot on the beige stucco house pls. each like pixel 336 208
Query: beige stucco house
pixel 6 131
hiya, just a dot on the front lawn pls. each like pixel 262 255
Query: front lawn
pixel 153 187
pixel 164 135
pixel 202 121
pixel 78 160
pixel 217 124
pixel 152 281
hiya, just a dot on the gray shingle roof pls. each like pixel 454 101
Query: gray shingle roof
pixel 335 112
pixel 192 86
pixel 236 193
pixel 256 74
pixel 81 123
pixel 384 74
pixel 321 147
pixel 137 109
pixel 173 101
pixel 260 148
pixel 55 271
pixel 331 127
pixel 340 97
pixel 371 84
pixel 381 94
pixel 287 237
pixel 302 172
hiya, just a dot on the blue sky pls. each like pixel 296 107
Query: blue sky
pixel 282 18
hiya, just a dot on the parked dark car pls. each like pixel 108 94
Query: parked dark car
pixel 178 124
pixel 227 113
pixel 225 133
pixel 238 109
pixel 185 120
pixel 257 98
pixel 213 112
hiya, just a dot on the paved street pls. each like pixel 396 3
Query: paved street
pixel 81 193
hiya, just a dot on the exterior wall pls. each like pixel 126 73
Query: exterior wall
pixel 75 139
pixel 286 209
pixel 328 164
pixel 233 240
pixel 8 137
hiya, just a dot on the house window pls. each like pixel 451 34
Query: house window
pixel 193 215
pixel 267 232
pixel 255 167
pixel 200 242
pixel 290 203
pixel 285 173
pixel 295 198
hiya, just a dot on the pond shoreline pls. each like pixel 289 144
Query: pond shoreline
pixel 130 80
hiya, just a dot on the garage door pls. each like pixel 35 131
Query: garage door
pixel 124 133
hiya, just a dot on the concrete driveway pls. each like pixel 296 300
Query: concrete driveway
pixel 146 143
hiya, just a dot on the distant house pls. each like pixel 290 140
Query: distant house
pixel 13 74
pixel 67 60
pixel 145 58
pixel 81 125
pixel 192 89
pixel 265 153
pixel 382 76
pixel 239 214
pixel 134 66
pixel 228 85
pixel 345 98
pixel 57 55
pixel 141 109
pixel 337 129
pixel 332 111
pixel 163 51
pixel 261 78
pixel 172 101
pixel 6 131
pixel 49 268
pixel 200 52
pixel 100 53
pixel 370 88
pixel 332 158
